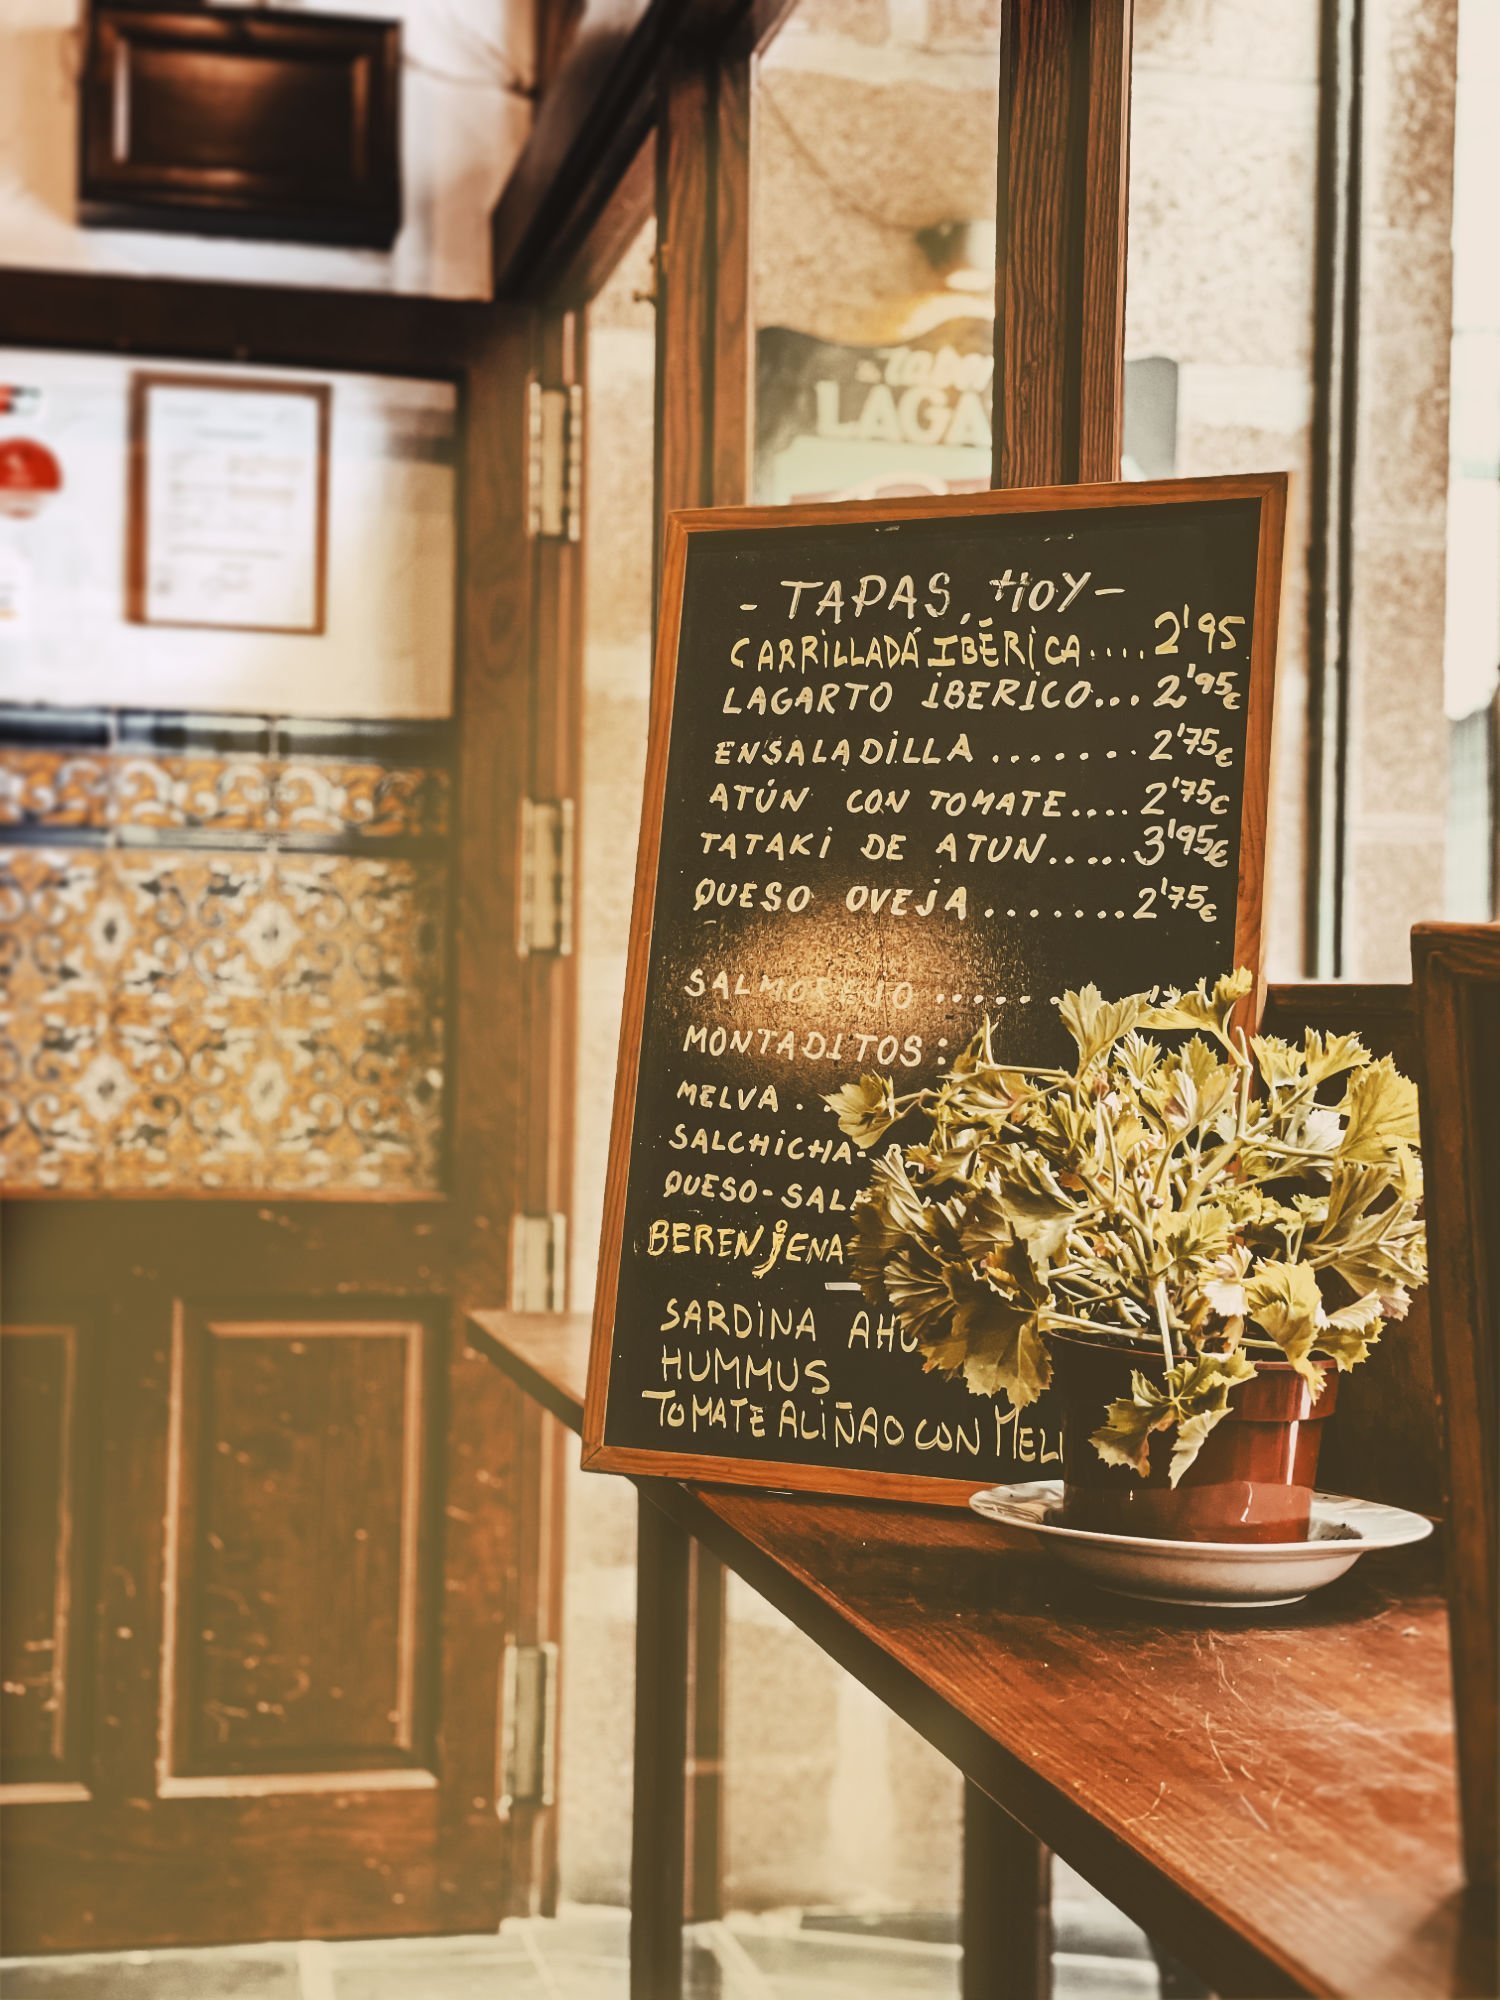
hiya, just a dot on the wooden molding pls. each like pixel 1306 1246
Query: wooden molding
pixel 292 325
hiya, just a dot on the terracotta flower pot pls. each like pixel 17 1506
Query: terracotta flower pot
pixel 1251 1482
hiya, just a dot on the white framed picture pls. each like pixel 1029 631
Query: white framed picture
pixel 228 503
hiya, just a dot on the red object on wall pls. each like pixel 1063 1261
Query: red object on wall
pixel 28 473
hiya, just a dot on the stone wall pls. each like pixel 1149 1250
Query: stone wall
pixel 1398 728
pixel 1220 281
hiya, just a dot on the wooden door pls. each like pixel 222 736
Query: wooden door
pixel 271 1532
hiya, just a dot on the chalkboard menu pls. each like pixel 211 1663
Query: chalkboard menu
pixel 913 764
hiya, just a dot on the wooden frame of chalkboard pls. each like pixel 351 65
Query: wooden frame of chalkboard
pixel 1247 514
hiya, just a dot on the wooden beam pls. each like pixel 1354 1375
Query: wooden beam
pixel 589 125
pixel 1060 225
pixel 685 152
pixel 1061 215
pixel 734 307
pixel 295 325
pixel 594 116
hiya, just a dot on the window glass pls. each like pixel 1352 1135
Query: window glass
pixel 1423 631
pixel 873 248
pixel 1219 303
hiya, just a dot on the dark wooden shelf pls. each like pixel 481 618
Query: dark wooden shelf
pixel 1273 1798
pixel 546 1353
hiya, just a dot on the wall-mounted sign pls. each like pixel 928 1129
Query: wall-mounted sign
pixel 913 764
pixel 834 421
pixel 228 503
pixel 837 422
pixel 29 475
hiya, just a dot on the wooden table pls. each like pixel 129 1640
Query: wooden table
pixel 1272 1799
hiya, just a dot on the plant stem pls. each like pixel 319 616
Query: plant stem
pixel 1114 1158
pixel 1161 1316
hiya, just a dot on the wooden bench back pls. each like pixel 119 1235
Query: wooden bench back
pixel 1457 986
pixel 1386 1442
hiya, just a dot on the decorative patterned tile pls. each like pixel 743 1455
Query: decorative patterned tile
pixel 206 793
pixel 203 1019
pixel 28 725
pixel 221 980
pixel 369 801
pixel 58 790
pixel 359 1021
pixel 60 1092
pixel 146 794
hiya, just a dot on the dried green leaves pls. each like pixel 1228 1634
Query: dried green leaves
pixel 866 1110
pixel 1222 1194
pixel 1192 1398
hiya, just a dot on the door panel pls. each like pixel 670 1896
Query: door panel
pixel 306 1523
pixel 277 1687
pixel 298 1555
pixel 43 1458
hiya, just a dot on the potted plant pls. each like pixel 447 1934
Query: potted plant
pixel 1193 1234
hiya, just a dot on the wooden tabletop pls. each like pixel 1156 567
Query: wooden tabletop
pixel 1272 1796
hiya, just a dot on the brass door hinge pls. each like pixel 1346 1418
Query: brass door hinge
pixel 546 900
pixel 554 462
pixel 528 1714
pixel 538 1263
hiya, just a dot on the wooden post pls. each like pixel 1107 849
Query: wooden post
pixel 702 423
pixel 658 1827
pixel 1060 225
pixel 1007 1905
pixel 703 1898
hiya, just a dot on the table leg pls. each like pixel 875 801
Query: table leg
pixel 704 1898
pixel 1007 1905
pixel 661 1706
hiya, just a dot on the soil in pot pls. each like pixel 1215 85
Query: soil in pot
pixel 1251 1482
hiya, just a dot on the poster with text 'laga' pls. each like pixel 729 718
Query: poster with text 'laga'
pixel 915 765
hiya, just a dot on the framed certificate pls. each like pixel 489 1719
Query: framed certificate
pixel 228 503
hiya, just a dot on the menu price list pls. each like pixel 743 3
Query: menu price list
pixel 920 775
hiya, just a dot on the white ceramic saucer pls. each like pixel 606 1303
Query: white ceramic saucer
pixel 1226 1575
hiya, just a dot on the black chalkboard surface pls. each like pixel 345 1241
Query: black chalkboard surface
pixel 913 763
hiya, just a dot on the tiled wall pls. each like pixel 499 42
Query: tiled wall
pixel 222 952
